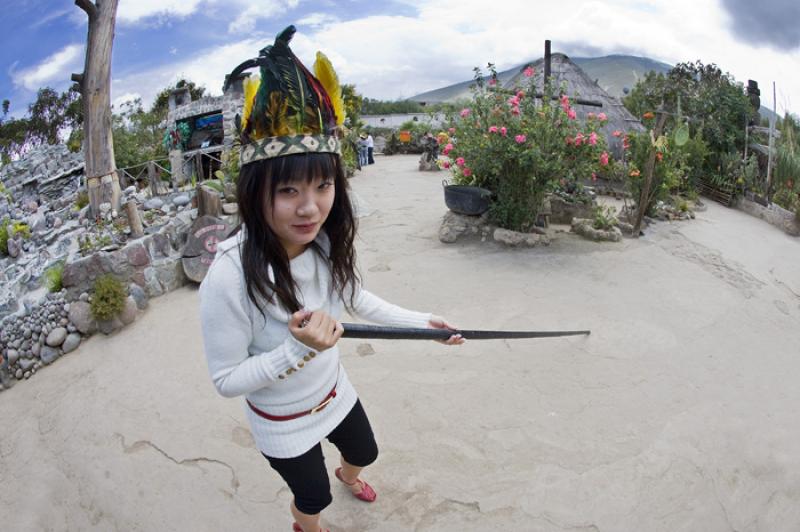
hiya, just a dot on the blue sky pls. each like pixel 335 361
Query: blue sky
pixel 396 48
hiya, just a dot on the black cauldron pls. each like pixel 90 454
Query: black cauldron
pixel 463 199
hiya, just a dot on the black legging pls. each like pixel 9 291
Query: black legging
pixel 306 474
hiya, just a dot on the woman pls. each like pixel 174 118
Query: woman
pixel 271 300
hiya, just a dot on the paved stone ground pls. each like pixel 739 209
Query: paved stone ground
pixel 679 412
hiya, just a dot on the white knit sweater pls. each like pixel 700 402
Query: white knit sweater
pixel 247 354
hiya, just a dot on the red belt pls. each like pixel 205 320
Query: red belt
pixel 320 406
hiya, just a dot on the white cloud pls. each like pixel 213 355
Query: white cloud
pixel 207 68
pixel 55 69
pixel 391 57
pixel 315 20
pixel 133 11
pixel 253 11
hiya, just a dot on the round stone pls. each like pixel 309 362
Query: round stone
pixel 56 337
pixel 71 343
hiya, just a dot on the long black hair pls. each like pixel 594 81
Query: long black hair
pixel 255 192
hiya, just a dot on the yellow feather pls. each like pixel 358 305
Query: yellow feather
pixel 251 84
pixel 323 70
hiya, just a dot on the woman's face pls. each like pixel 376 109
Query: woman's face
pixel 298 211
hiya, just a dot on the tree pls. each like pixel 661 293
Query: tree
pixel 48 119
pixel 715 105
pixel 352 106
pixel 95 87
pixel 138 135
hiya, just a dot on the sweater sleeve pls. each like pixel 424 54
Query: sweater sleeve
pixel 370 307
pixel 227 335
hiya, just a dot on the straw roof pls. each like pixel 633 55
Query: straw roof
pixel 580 87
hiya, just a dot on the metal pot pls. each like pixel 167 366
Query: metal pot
pixel 462 199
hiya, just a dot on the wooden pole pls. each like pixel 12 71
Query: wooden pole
pixel 95 87
pixel 152 178
pixel 137 230
pixel 547 60
pixel 208 202
pixel 771 136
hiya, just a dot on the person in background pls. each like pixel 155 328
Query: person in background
pixel 370 147
pixel 363 150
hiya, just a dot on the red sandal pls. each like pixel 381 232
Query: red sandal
pixel 297 528
pixel 367 494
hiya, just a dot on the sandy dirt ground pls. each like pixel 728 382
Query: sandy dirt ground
pixel 678 413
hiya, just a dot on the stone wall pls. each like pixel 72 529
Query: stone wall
pixel 205 105
pixel 152 262
pixel 48 172
pixel 772 214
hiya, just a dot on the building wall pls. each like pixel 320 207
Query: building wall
pixel 395 120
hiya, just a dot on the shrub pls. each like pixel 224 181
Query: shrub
pixel 4 237
pixel 20 229
pixel 82 200
pixel 520 146
pixel 604 218
pixel 53 277
pixel 108 299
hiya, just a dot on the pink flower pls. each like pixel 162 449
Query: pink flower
pixel 590 116
pixel 503 131
pixel 593 138
pixel 447 149
pixel 513 101
pixel 528 72
pixel 515 110
pixel 617 133
pixel 520 95
pixel 492 82
pixel 579 138
pixel 594 176
pixel 460 161
pixel 464 113
pixel 520 139
pixel 492 129
pixel 452 131
pixel 445 164
pixel 602 117
pixel 570 141
pixel 572 114
pixel 564 100
pixel 467 172
pixel 604 158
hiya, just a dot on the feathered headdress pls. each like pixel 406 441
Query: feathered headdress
pixel 288 110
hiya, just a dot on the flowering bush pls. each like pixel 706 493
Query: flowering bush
pixel 521 147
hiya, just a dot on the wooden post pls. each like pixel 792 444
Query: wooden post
pixel 771 136
pixel 547 61
pixel 208 202
pixel 95 88
pixel 137 230
pixel 176 163
pixel 152 178
pixel 198 167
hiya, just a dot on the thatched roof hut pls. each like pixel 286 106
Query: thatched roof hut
pixel 581 88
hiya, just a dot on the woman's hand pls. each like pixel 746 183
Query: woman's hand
pixel 316 329
pixel 437 322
